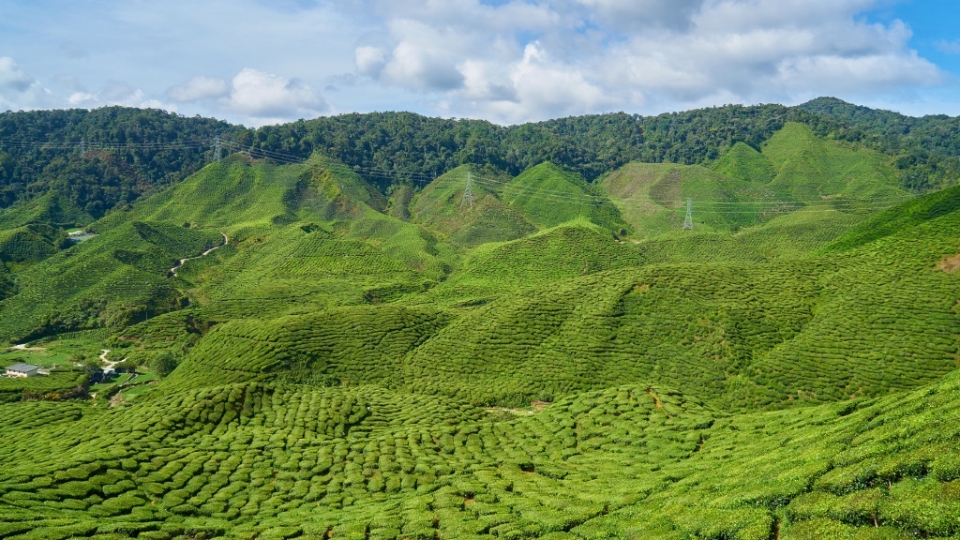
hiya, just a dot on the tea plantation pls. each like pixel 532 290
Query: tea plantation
pixel 305 356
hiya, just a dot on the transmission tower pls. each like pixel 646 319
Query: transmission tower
pixel 83 147
pixel 216 148
pixel 688 221
pixel 467 192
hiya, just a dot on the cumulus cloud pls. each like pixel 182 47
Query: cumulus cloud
pixel 199 88
pixel 422 68
pixel 18 89
pixel 505 60
pixel 12 76
pixel 267 98
pixel 255 97
pixel 535 86
pixel 369 60
pixel 582 56
pixel 117 93
pixel 639 14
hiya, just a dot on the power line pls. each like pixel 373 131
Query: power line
pixel 467 192
pixel 715 207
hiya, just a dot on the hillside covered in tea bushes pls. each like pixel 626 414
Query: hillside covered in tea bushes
pixel 295 342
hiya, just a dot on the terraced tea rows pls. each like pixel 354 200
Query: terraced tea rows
pixel 636 461
pixel 106 281
pixel 336 347
pixel 557 360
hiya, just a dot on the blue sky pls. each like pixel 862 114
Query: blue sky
pixel 935 26
pixel 258 62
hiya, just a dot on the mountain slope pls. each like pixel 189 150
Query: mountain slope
pixel 108 280
pixel 548 196
pixel 653 196
pixel 441 207
pixel 810 169
pixel 639 461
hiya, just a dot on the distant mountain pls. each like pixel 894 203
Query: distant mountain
pixel 98 160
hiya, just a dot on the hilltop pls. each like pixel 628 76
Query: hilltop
pixel 313 339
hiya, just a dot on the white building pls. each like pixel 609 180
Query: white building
pixel 23 370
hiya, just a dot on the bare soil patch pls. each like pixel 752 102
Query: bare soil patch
pixel 950 264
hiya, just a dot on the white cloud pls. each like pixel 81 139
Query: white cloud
pixel 587 56
pixel 422 68
pixel 12 77
pixel 199 88
pixel 18 89
pixel 537 86
pixel 369 60
pixel 266 98
pixel 459 57
pixel 82 99
pixel 636 14
pixel 949 47
pixel 117 93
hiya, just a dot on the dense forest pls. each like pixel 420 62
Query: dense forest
pixel 101 158
pixel 107 157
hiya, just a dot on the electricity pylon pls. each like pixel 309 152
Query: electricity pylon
pixel 688 221
pixel 467 192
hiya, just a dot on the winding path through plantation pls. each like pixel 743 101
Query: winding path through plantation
pixel 173 271
pixel 103 358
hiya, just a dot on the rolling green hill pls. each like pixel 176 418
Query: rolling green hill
pixel 50 208
pixel 302 353
pixel 110 280
pixel 811 169
pixel 548 196
pixel 441 207
pixel 744 162
pixel 653 196
pixel 31 243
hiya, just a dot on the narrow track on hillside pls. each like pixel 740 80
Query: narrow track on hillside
pixel 173 271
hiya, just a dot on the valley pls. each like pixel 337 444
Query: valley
pixel 309 347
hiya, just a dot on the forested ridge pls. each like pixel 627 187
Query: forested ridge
pixel 103 158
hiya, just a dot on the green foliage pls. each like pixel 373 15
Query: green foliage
pixel 926 150
pixel 109 280
pixel 810 169
pixel 744 162
pixel 164 363
pixel 548 196
pixel 570 250
pixel 42 146
pixel 559 361
pixel 441 207
pixel 653 197
pixel 50 208
pixel 31 243
pixel 897 219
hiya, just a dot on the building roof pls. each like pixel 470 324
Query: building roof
pixel 22 368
